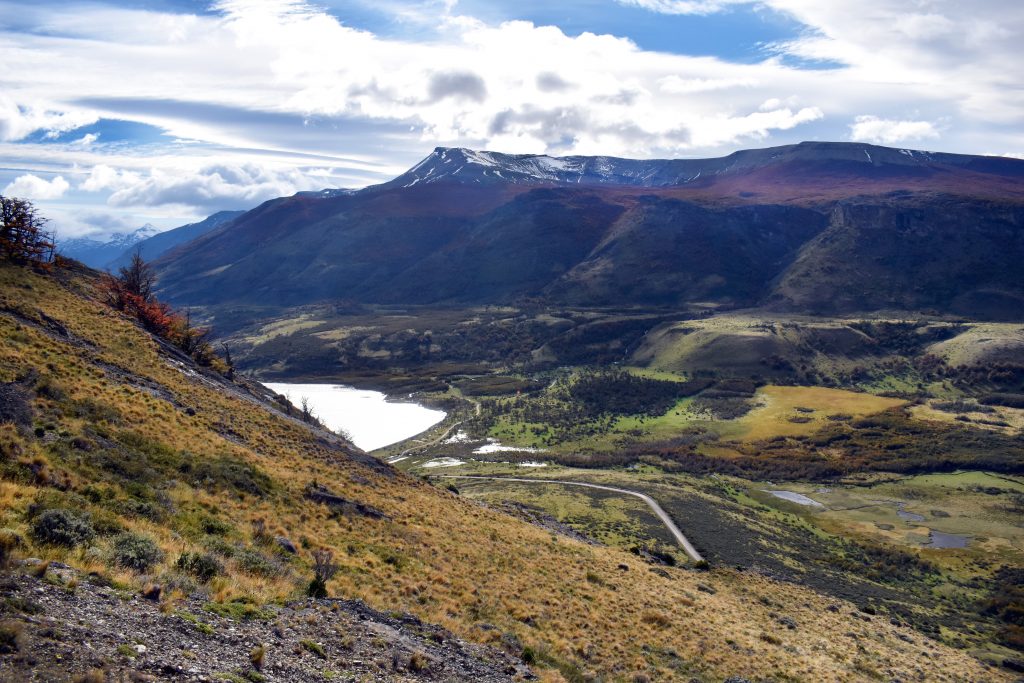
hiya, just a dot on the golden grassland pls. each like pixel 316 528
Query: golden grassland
pixel 779 411
pixel 446 559
pixel 777 405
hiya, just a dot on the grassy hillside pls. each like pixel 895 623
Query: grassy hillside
pixel 120 457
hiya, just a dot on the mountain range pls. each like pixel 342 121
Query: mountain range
pixel 99 253
pixel 148 241
pixel 814 227
pixel 160 243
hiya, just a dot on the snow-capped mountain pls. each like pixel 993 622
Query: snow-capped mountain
pixel 466 166
pixel 98 253
pixel 153 247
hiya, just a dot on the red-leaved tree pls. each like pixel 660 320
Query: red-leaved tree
pixel 23 238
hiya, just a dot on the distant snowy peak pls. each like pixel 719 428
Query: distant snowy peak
pixel 127 239
pixel 467 166
pixel 472 166
pixel 328 193
pixel 97 253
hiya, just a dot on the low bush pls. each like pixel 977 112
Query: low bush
pixel 256 563
pixel 202 566
pixel 134 551
pixel 62 527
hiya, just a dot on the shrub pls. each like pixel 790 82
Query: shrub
pixel 62 527
pixel 256 563
pixel 238 610
pixel 203 566
pixel 215 527
pixel 133 551
pixel 323 570
pixel 230 473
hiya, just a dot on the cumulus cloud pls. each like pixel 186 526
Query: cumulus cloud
pixel 31 186
pixel 890 131
pixel 217 186
pixel 103 177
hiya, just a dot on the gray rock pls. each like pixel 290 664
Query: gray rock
pixel 286 545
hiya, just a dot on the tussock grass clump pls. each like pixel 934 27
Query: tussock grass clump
pixel 10 637
pixel 10 541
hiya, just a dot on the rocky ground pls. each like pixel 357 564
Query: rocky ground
pixel 66 627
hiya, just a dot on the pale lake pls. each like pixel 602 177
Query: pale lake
pixel 367 416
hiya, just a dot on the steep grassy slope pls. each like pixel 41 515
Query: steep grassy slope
pixel 103 422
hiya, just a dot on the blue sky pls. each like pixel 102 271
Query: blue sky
pixel 118 113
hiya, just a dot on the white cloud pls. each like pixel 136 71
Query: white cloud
pixel 18 121
pixel 684 6
pixel 87 140
pixel 103 177
pixel 288 57
pixel 889 131
pixel 212 187
pixel 276 89
pixel 30 186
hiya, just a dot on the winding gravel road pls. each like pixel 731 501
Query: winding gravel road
pixel 684 542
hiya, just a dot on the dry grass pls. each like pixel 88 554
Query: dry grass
pixel 445 559
pixel 779 404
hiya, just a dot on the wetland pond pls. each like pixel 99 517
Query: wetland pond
pixel 367 416
pixel 942 540
pixel 798 498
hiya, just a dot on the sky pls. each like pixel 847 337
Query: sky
pixel 117 113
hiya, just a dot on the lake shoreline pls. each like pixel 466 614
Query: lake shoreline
pixel 372 419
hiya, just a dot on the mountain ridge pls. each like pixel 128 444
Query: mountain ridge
pixel 447 163
pixel 98 253
pixel 156 245
pixel 479 227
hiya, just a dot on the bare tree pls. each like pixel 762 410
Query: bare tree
pixel 307 411
pixel 324 570
pixel 138 278
pixel 230 374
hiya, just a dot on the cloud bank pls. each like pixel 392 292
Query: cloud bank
pixel 263 96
